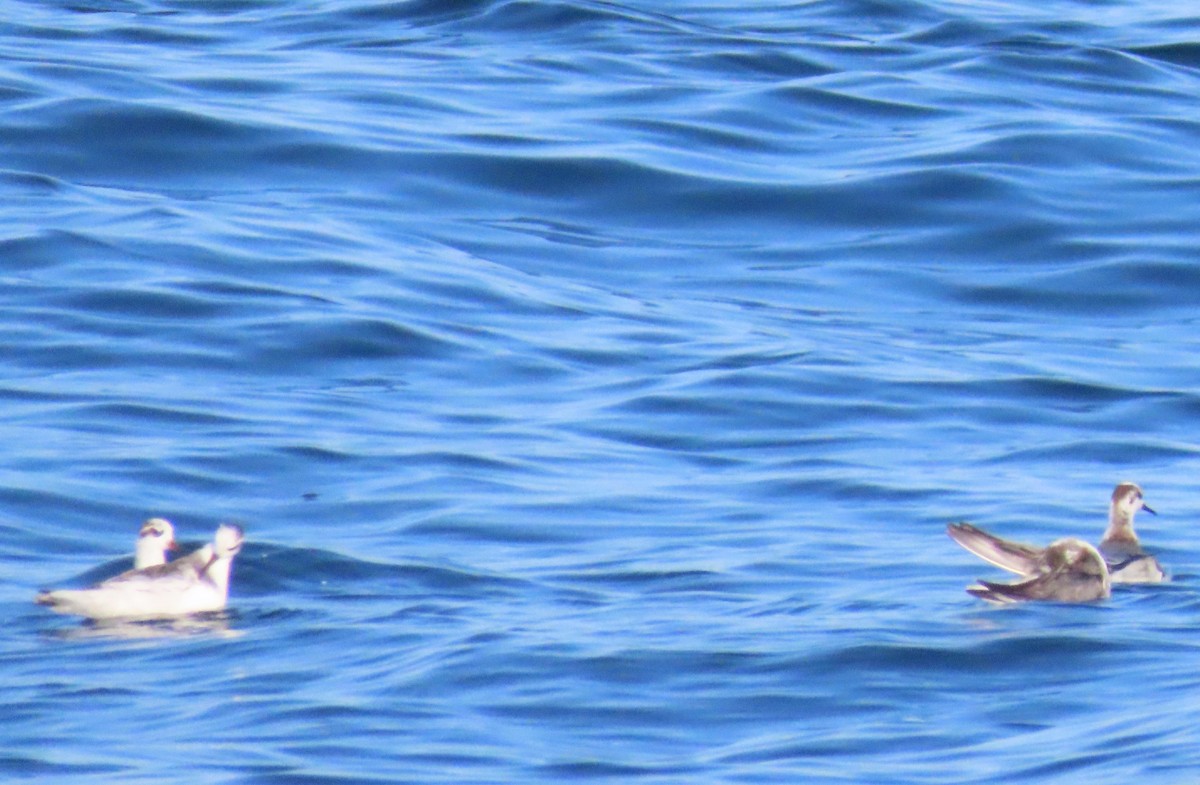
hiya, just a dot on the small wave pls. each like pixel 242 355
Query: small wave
pixel 264 569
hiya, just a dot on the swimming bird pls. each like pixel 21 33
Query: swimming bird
pixel 196 583
pixel 156 537
pixel 1127 562
pixel 1066 570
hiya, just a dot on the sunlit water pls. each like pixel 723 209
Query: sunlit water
pixel 595 383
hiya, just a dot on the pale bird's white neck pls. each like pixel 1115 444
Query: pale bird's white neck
pixel 150 551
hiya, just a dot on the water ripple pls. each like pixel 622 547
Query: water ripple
pixel 595 384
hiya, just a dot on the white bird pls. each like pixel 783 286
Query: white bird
pixel 1067 570
pixel 1122 552
pixel 196 583
pixel 156 537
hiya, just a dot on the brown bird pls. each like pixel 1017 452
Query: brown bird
pixel 1067 570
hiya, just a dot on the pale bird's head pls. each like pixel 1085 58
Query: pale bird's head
pixel 157 533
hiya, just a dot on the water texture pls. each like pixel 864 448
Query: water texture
pixel 595 382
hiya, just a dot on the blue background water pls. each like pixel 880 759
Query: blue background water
pixel 595 382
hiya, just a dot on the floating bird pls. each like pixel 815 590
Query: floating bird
pixel 1067 570
pixel 1122 552
pixel 196 583
pixel 1127 562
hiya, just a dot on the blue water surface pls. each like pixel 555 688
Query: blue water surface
pixel 595 382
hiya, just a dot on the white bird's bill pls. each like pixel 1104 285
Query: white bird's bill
pixel 196 583
pixel 157 536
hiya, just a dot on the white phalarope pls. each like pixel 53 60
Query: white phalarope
pixel 156 537
pixel 1066 570
pixel 196 583
pixel 1122 552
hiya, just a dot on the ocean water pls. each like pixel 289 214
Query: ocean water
pixel 594 382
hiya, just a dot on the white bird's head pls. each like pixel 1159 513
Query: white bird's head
pixel 228 541
pixel 156 537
